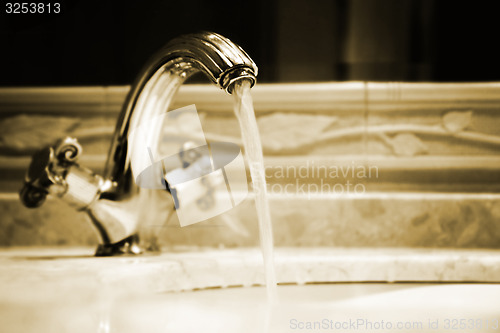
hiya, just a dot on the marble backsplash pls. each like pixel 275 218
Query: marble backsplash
pixel 435 181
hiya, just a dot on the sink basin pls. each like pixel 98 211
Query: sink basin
pixel 348 307
pixel 345 307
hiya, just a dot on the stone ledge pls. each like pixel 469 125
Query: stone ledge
pixel 35 274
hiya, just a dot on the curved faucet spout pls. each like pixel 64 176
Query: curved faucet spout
pixel 222 61
pixel 114 202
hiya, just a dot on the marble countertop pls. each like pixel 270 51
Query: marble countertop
pixel 37 273
pixel 67 289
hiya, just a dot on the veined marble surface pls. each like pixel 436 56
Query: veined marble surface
pixel 374 220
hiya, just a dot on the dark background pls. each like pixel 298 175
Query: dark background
pixel 106 43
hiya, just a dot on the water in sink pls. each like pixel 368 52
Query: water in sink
pixel 243 108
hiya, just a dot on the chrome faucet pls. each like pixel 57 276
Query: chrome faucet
pixel 114 202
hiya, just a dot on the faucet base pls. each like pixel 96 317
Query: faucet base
pixel 128 246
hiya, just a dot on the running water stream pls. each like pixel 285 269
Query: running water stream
pixel 243 108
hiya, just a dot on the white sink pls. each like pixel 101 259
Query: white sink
pixel 352 307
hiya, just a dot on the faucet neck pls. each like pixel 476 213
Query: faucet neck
pixel 222 61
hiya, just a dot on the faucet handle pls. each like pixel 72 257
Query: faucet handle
pixel 31 196
pixel 67 151
pixel 38 179
pixel 48 170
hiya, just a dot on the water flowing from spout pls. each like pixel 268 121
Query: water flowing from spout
pixel 243 108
